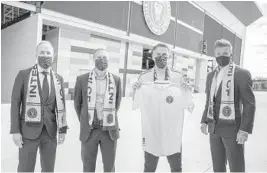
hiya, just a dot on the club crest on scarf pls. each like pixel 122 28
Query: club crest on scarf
pixel 110 118
pixel 32 113
pixel 227 111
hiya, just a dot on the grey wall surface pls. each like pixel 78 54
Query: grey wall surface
pixel 189 14
pixel 110 13
pixel 237 50
pixel 18 44
pixel 188 39
pixel 212 32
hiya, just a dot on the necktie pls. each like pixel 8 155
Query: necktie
pixel 45 89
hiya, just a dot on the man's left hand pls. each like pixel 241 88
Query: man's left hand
pixel 61 138
pixel 191 107
pixel 242 137
pixel 186 86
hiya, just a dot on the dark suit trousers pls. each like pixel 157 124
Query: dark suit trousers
pixel 151 162
pixel 90 149
pixel 226 148
pixel 27 154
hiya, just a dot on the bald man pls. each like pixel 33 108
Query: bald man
pixel 97 100
pixel 38 112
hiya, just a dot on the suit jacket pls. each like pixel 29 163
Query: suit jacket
pixel 244 101
pixel 81 106
pixel 48 108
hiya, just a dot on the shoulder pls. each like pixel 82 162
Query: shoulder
pixel 83 76
pixel 59 76
pixel 145 73
pixel 242 73
pixel 116 78
pixel 24 72
pixel 211 74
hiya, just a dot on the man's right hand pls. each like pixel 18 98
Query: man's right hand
pixel 203 128
pixel 136 85
pixel 17 138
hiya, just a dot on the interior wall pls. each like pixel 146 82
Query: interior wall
pixel 18 44
pixel 53 37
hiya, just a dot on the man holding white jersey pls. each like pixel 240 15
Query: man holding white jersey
pixel 162 95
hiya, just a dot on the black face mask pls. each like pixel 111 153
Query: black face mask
pixel 161 61
pixel 223 60
pixel 101 64
pixel 45 62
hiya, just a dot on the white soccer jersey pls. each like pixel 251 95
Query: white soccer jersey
pixel 162 110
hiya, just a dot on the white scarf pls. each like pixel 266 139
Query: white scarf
pixel 227 107
pixel 109 110
pixel 33 112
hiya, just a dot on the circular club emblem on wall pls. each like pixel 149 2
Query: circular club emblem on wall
pixel 110 118
pixel 157 15
pixel 227 111
pixel 169 99
pixel 32 113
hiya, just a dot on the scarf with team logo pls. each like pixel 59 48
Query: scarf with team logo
pixel 33 113
pixel 109 110
pixel 166 77
pixel 227 107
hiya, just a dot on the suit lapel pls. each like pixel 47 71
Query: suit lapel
pixel 219 91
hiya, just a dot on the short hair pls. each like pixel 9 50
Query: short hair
pixel 98 50
pixel 159 45
pixel 44 42
pixel 223 43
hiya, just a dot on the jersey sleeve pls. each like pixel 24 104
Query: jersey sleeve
pixel 136 99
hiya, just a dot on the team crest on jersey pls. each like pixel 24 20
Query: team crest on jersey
pixel 32 113
pixel 169 99
pixel 110 118
pixel 227 111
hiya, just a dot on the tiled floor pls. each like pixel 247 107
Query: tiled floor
pixel 196 154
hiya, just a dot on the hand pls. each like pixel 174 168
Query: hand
pixel 136 85
pixel 61 138
pixel 186 86
pixel 191 107
pixel 242 137
pixel 203 128
pixel 17 138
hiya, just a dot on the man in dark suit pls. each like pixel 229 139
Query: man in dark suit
pixel 229 121
pixel 38 112
pixel 97 100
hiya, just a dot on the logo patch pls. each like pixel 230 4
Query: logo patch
pixel 169 99
pixel 110 118
pixel 227 111
pixel 157 16
pixel 32 113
